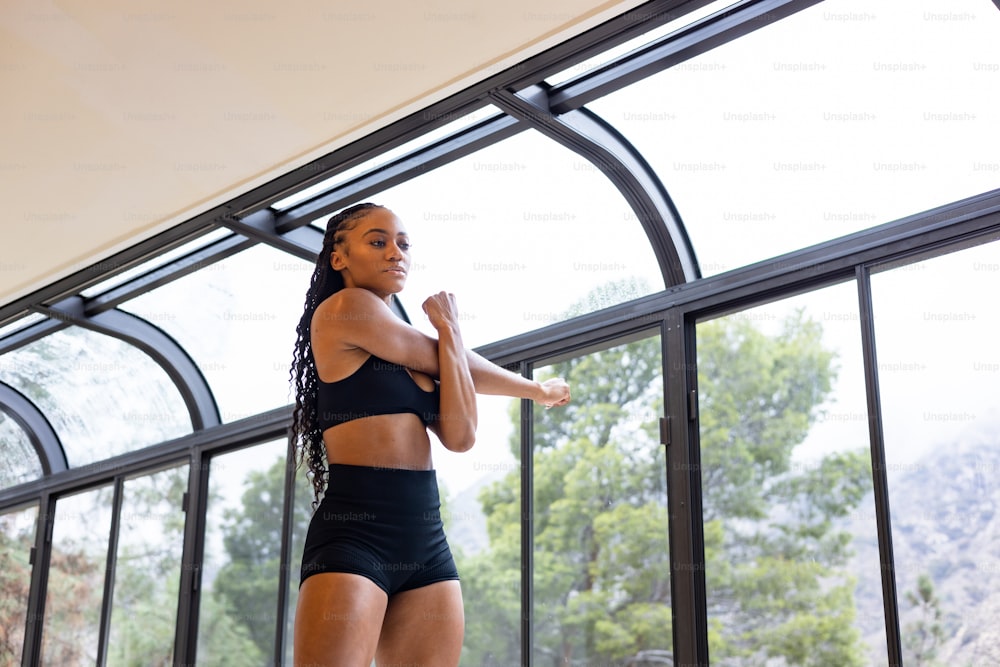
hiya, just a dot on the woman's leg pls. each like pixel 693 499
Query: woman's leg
pixel 338 620
pixel 423 626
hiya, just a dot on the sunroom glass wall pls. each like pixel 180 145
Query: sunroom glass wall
pixel 783 138
pixel 791 550
pixel 17 537
pixel 519 231
pixel 76 574
pixel 103 396
pixel 601 578
pixel 147 569
pixel 936 327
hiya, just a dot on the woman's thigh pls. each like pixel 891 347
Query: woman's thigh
pixel 423 626
pixel 338 620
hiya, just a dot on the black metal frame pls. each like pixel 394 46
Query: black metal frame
pixel 557 112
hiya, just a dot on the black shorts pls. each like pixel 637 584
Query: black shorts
pixel 380 523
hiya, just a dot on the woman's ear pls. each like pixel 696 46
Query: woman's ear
pixel 336 260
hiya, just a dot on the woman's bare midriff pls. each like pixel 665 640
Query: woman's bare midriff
pixel 382 441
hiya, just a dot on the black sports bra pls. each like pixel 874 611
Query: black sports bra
pixel 379 387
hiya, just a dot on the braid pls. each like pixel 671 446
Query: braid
pixel 306 436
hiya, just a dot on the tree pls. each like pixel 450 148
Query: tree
pixel 775 555
pixel 15 581
pixel 926 634
pixel 246 586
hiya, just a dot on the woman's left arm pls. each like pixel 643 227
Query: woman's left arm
pixel 458 417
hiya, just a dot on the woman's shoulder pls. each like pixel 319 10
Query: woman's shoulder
pixel 352 309
pixel 348 302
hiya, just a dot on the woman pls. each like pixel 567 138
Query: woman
pixel 378 579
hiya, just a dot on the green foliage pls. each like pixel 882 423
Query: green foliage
pixel 926 634
pixel 15 579
pixel 776 552
pixel 246 587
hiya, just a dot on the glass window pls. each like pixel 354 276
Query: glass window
pixel 592 64
pixel 102 396
pixel 21 323
pixel 242 561
pixel 936 329
pixel 792 566
pixel 518 231
pixel 303 511
pixel 17 537
pixel 161 260
pixel 783 138
pixel 237 319
pixel 601 554
pixel 76 578
pixel 147 569
pixel 20 462
pixel 480 508
pixel 460 123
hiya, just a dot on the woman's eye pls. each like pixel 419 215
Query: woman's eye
pixel 378 244
pixel 404 245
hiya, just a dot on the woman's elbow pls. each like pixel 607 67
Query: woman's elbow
pixel 458 437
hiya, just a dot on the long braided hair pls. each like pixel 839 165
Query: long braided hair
pixel 306 436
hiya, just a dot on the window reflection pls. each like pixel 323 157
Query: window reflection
pixel 791 554
pixel 936 327
pixel 17 537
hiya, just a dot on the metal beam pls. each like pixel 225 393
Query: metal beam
pixel 30 334
pixel 586 134
pixel 304 242
pixel 153 341
pixel 40 433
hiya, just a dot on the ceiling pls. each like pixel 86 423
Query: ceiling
pixel 122 118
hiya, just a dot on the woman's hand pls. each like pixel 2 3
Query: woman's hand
pixel 442 311
pixel 555 392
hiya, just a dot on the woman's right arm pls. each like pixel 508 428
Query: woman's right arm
pixel 356 318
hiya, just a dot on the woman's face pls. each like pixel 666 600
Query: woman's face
pixel 374 254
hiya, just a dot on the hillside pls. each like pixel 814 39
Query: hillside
pixel 945 525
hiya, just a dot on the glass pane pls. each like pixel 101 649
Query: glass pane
pixel 385 158
pixel 784 138
pixel 21 323
pixel 148 569
pixel 102 396
pixel 597 61
pixel 161 260
pixel 481 509
pixel 791 553
pixel 17 537
pixel 241 327
pixel 239 598
pixel 514 262
pixel 937 326
pixel 20 462
pixel 602 560
pixel 303 513
pixel 76 578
